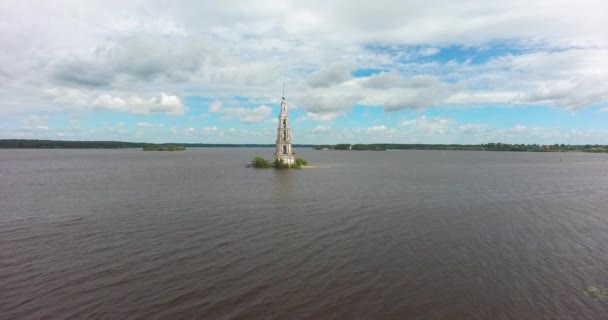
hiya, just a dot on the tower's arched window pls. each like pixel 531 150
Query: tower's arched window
pixel 284 123
pixel 284 149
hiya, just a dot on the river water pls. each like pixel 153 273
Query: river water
pixel 125 234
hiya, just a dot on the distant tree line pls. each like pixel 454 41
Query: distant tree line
pixel 55 144
pixel 469 147
pixel 157 147
pixel 346 146
pixel 60 144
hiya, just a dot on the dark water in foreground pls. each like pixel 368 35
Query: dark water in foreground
pixel 123 234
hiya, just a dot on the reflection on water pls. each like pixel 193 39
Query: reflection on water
pixel 283 182
pixel 372 235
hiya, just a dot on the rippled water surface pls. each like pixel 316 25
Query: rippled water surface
pixel 123 234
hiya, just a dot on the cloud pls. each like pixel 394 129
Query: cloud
pixel 373 134
pixel 473 128
pixel 427 52
pixel 242 50
pixel 428 126
pixel 385 80
pixel 321 129
pixel 483 97
pixel 273 121
pixel 517 129
pixel 379 129
pixel 420 91
pixel 569 79
pixel 323 117
pixel 244 115
pixel 36 122
pixel 120 58
pixel 82 73
pixel 136 58
pixel 393 79
pixel 215 107
pixel 564 94
pixel 209 130
pixel 149 125
pixel 329 102
pixel 165 103
pixel 415 100
pixel 331 75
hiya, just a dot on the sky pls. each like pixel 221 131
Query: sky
pixel 354 71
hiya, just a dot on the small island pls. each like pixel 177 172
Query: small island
pixel 161 147
pixel 259 162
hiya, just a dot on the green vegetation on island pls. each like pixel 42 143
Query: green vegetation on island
pixel 597 293
pixel 160 147
pixel 259 162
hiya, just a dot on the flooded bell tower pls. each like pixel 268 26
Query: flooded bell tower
pixel 283 150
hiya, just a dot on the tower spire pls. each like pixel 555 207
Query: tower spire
pixel 283 90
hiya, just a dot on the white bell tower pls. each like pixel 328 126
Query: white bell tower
pixel 283 151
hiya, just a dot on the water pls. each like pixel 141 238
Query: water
pixel 120 234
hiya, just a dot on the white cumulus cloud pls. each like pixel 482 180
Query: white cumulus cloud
pixel 168 104
pixel 244 115
pixel 428 126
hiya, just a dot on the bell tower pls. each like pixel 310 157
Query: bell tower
pixel 283 151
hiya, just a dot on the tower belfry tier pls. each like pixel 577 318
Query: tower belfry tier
pixel 283 151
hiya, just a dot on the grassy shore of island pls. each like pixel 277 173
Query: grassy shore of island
pixel 261 163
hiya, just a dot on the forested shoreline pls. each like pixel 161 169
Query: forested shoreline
pixel 469 147
pixel 60 144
